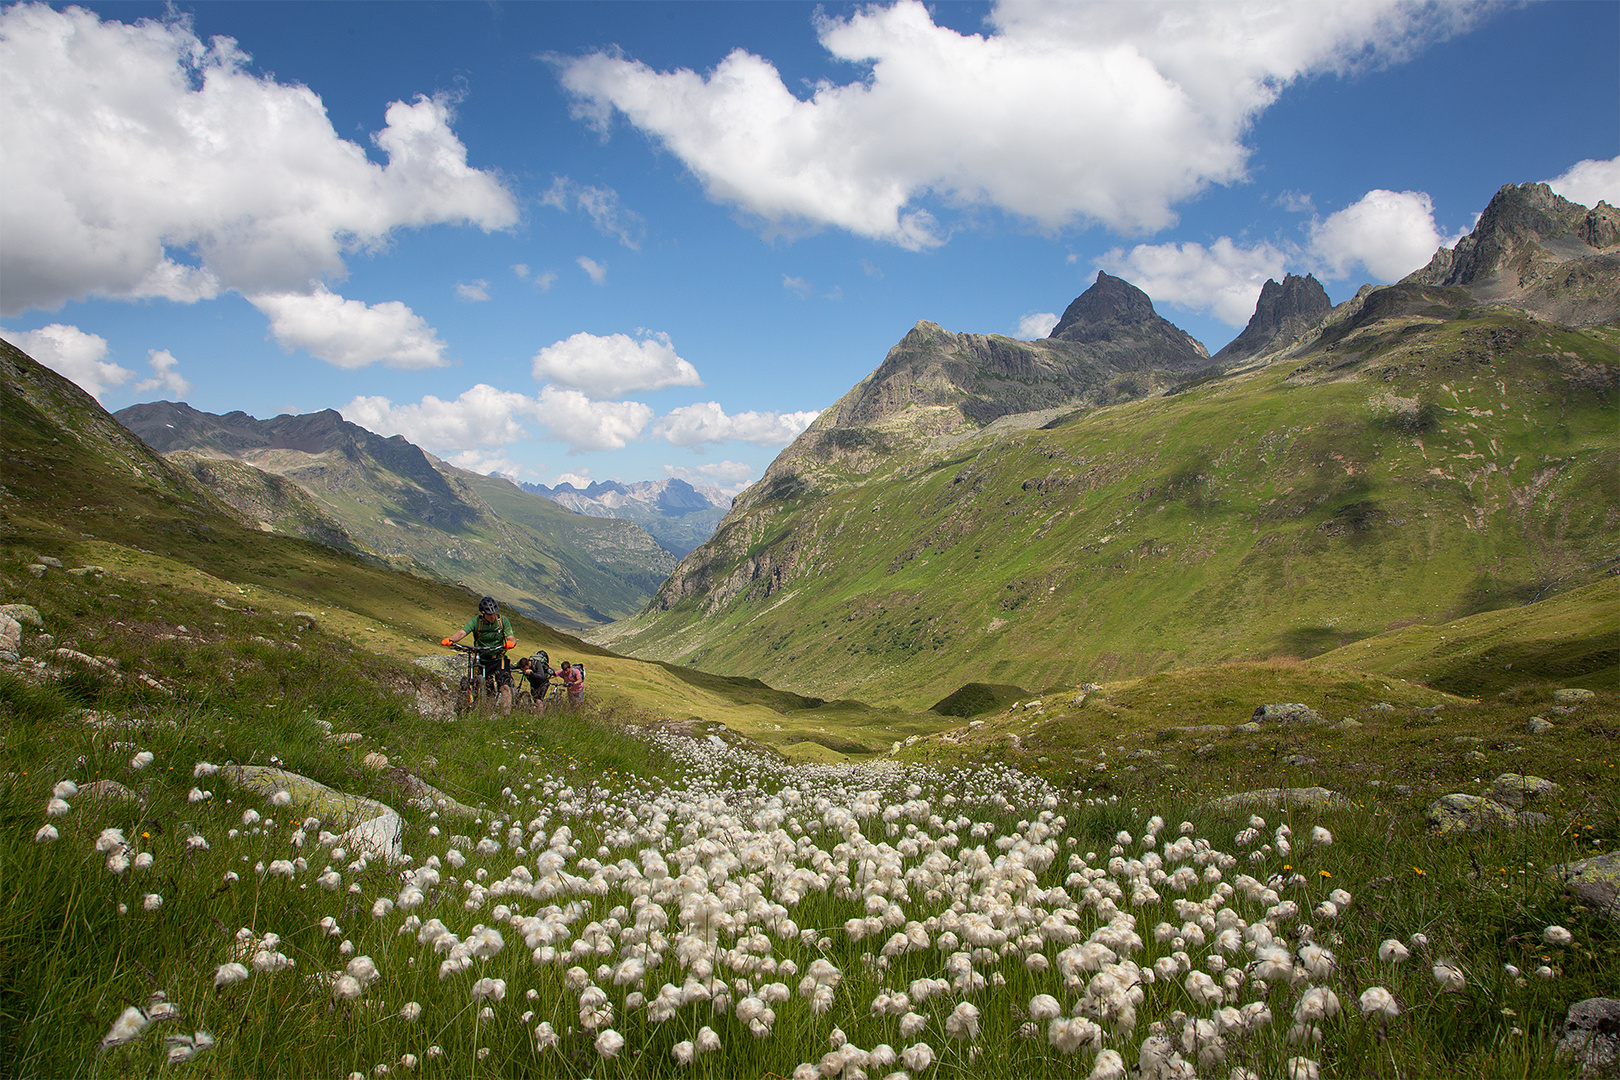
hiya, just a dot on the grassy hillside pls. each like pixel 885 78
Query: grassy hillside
pixel 1429 460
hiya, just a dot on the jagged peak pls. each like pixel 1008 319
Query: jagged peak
pixel 1110 301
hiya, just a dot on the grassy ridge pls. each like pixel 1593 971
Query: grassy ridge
pixel 1417 470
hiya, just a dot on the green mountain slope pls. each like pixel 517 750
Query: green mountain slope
pixel 414 512
pixel 1420 457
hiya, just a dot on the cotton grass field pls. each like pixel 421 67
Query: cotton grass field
pixel 634 898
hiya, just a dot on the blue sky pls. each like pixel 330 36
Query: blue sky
pixel 635 240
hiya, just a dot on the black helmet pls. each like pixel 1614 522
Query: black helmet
pixel 486 606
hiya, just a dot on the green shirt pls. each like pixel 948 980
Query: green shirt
pixel 488 635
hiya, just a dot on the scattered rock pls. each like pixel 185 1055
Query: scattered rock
pixel 369 825
pixel 1595 882
pixel 1515 790
pixel 425 797
pixel 1475 755
pixel 1140 754
pixel 10 638
pixel 77 657
pixel 1298 759
pixel 1474 813
pixel 46 560
pixel 1592 1037
pixel 1279 797
pixel 1381 707
pixel 346 738
pixel 1571 694
pixel 375 762
pixel 1472 740
pixel 1205 750
pixel 1538 726
pixel 37 569
pixel 106 789
pixel 1251 728
pixel 1292 712
pixel 26 614
pixel 1349 723
pixel 324 725
pixel 1089 688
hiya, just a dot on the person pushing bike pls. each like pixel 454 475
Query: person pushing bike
pixel 492 636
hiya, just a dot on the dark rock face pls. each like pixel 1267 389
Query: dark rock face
pixel 1592 1037
pixel 1101 309
pixel 1535 250
pixel 1115 321
pixel 1283 313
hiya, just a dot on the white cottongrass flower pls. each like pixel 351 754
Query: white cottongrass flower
pixel 410 1012
pixel 609 1043
pixel 128 1027
pixel 491 990
pixel 1043 1007
pixel 229 974
pixel 683 1052
pixel 281 798
pixel 111 840
pixel 917 1057
pixel 1301 1068
pixel 144 860
pixel 151 901
pixel 141 760
pixel 64 789
pixel 46 834
pixel 57 808
pixel 1545 972
pixel 364 970
pixel 545 1036
pixel 707 1040
pixel 1108 1066
pixel 197 795
pixel 1557 935
pixel 963 1023
pixel 1393 952
pixel 202 769
pixel 1377 1001
pixel 346 988
pixel 1449 976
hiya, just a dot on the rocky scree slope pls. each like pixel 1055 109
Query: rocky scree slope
pixel 394 502
pixel 1418 455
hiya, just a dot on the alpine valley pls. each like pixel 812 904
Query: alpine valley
pixel 1109 501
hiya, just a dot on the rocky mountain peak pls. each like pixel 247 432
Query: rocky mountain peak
pixel 1099 311
pixel 1283 312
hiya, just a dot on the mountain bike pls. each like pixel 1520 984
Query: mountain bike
pixel 477 682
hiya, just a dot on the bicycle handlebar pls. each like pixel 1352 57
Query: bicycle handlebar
pixel 481 649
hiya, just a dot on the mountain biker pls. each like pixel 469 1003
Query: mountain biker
pixel 538 670
pixel 573 677
pixel 491 631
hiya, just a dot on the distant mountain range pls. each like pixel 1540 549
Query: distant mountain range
pixel 320 477
pixel 1110 500
pixel 679 515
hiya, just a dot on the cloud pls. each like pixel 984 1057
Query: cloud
pixel 521 270
pixel 571 417
pixel 165 377
pixel 581 479
pixel 798 286
pixel 1390 233
pixel 475 290
pixel 1063 114
pixel 496 464
pixel 349 334
pixel 545 281
pixel 730 477
pixel 1295 202
pixel 1036 325
pixel 601 205
pixel 615 365
pixel 1222 279
pixel 142 162
pixel 73 354
pixel 707 422
pixel 1587 182
pixel 481 417
pixel 595 270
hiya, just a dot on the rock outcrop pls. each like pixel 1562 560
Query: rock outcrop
pixel 1285 312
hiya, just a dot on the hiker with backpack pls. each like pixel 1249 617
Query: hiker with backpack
pixel 538 670
pixel 573 677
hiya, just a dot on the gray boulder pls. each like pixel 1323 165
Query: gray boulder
pixel 1572 694
pixel 1516 790
pixel 1292 712
pixel 1474 813
pixel 1592 1037
pixel 10 639
pixel 1595 882
pixel 1538 726
pixel 26 614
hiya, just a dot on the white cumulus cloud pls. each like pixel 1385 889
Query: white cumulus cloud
pixel 481 417
pixel 729 476
pixel 1587 182
pixel 571 417
pixel 1389 233
pixel 350 334
pixel 707 422
pixel 614 365
pixel 143 162
pixel 73 354
pixel 1223 279
pixel 165 376
pixel 1036 325
pixel 475 291
pixel 1061 114
pixel 596 271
